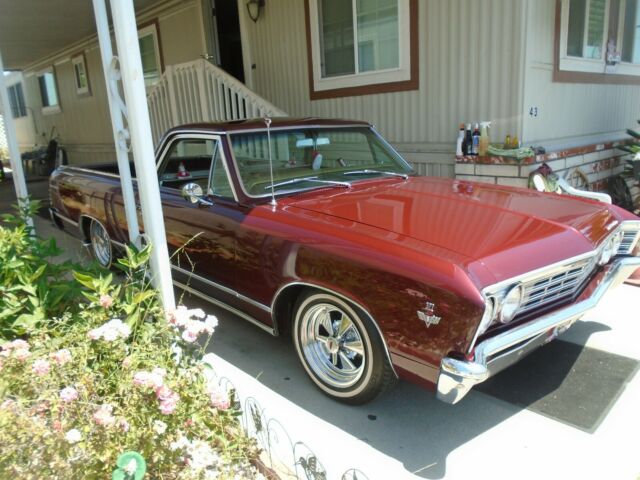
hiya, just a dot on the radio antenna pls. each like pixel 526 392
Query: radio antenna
pixel 267 121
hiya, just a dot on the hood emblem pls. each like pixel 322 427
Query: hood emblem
pixel 428 316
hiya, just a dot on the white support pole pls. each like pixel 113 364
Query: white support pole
pixel 124 24
pixel 15 159
pixel 117 125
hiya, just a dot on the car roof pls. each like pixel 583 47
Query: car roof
pixel 259 123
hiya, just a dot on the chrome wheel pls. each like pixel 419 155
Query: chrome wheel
pixel 332 345
pixel 100 244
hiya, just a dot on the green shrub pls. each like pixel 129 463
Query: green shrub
pixel 32 287
pixel 113 380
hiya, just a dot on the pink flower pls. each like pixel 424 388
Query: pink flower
pixel 220 400
pixel 145 379
pixel 126 363
pixel 94 334
pixel 57 425
pixel 106 301
pixel 68 394
pixel 102 416
pixel 15 345
pixel 178 316
pixel 123 424
pixel 163 392
pixel 168 402
pixel 21 354
pixel 41 367
pixel 61 356
pixel 189 336
pixel 8 404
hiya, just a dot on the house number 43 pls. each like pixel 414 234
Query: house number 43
pixel 533 112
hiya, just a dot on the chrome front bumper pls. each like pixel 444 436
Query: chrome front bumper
pixel 457 377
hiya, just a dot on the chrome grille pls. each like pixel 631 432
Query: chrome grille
pixel 628 240
pixel 560 285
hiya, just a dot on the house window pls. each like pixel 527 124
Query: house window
pixel 150 54
pixel 48 91
pixel 80 75
pixel 16 101
pixel 599 40
pixel 361 43
pixel 629 36
pixel 585 28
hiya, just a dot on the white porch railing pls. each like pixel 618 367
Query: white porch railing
pixel 201 92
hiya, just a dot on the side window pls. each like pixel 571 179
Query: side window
pixel 219 185
pixel 187 161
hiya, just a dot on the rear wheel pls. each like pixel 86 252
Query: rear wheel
pixel 100 244
pixel 340 348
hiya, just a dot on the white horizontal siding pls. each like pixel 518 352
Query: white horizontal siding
pixel 568 113
pixel 470 70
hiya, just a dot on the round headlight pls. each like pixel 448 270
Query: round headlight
pixel 510 304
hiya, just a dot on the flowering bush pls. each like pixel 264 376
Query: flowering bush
pixel 116 375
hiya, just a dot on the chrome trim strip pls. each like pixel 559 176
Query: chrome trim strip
pixel 90 171
pixel 229 308
pixel 222 288
pixel 118 244
pixel 62 217
pixel 457 376
pixel 343 297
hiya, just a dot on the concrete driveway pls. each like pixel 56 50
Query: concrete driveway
pixel 572 411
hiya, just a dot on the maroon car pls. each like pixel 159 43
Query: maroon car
pixel 320 229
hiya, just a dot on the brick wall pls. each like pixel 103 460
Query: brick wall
pixel 597 162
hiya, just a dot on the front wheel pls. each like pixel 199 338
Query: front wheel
pixel 340 349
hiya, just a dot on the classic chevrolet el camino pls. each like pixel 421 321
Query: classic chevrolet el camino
pixel 320 229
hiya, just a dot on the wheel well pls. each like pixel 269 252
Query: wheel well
pixel 85 223
pixel 283 307
pixel 287 298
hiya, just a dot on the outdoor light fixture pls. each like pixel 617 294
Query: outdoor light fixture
pixel 254 7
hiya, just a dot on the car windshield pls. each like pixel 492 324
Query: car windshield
pixel 313 158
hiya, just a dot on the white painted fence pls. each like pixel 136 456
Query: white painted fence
pixel 201 92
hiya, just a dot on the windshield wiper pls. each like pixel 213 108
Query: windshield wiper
pixel 367 171
pixel 309 179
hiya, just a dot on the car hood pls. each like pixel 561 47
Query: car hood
pixel 500 232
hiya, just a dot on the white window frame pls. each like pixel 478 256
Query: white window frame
pixel 49 109
pixel 624 68
pixel 400 74
pixel 80 60
pixel 153 31
pixel 578 64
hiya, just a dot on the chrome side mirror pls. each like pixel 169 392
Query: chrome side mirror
pixel 192 192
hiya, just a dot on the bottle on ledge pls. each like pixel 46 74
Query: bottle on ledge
pixel 467 146
pixel 460 141
pixel 475 149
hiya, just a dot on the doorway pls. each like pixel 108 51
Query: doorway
pixel 226 42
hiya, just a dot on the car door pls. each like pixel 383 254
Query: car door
pixel 200 232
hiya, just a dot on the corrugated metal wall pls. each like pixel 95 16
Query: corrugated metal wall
pixel 568 110
pixel 470 70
